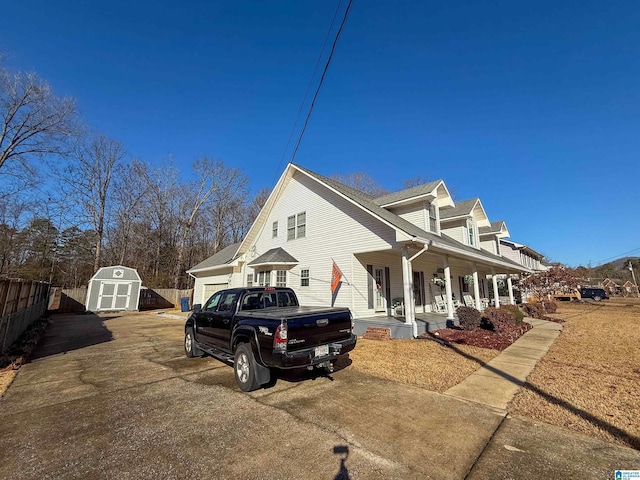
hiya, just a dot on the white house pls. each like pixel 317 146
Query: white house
pixel 389 249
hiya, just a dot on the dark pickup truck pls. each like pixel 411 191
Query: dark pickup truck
pixel 264 328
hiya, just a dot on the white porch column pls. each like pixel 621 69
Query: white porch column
pixel 407 280
pixel 476 289
pixel 510 285
pixel 496 301
pixel 447 283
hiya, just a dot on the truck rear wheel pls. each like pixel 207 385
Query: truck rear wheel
pixel 244 367
pixel 190 348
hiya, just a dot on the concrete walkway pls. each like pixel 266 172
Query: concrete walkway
pixel 496 383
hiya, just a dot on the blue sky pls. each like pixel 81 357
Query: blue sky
pixel 534 108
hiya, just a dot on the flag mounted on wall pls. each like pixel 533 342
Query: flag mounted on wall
pixel 336 277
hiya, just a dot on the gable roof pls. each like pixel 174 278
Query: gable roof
pixel 220 259
pixel 275 256
pixel 462 209
pixel 442 241
pixel 519 246
pixel 495 227
pixel 414 193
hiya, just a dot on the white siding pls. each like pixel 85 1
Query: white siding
pixel 456 230
pixel 414 213
pixel 335 230
pixel 489 245
pixel 510 253
pixel 198 287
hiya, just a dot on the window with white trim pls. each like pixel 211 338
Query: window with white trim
pixel 250 280
pixel 281 278
pixel 264 278
pixel 433 220
pixel 297 226
pixel 471 233
pixel 274 229
pixel 304 277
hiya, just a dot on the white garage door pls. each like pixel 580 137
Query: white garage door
pixel 210 289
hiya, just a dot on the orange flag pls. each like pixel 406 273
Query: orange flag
pixel 336 276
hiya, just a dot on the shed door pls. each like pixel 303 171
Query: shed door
pixel 210 289
pixel 114 295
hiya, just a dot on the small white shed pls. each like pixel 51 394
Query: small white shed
pixel 114 288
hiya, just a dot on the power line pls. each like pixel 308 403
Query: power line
pixel 615 257
pixel 306 93
pixel 324 72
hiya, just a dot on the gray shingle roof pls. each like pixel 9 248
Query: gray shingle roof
pixel 407 194
pixel 223 257
pixel 274 256
pixel 494 228
pixel 368 202
pixel 464 207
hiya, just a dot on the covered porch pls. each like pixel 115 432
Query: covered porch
pixel 418 287
pixel 426 322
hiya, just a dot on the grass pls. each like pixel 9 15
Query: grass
pixel 589 380
pixel 6 377
pixel 423 363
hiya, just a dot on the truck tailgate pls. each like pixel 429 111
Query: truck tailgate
pixel 314 326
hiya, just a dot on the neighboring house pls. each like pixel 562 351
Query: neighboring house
pixel 389 249
pixel 525 256
pixel 610 286
pixel 629 288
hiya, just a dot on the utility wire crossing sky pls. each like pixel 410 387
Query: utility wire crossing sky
pixel 534 108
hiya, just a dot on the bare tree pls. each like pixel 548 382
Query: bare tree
pixel 363 182
pixel 89 176
pixel 415 182
pixel 217 185
pixel 33 121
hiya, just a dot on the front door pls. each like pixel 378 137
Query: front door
pixel 418 288
pixel 379 289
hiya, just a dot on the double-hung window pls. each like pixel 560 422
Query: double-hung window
pixel 304 277
pixel 264 278
pixel 471 232
pixel 297 226
pixel 433 221
pixel 274 229
pixel 281 278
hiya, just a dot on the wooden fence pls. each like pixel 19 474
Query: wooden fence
pixel 21 303
pixel 74 299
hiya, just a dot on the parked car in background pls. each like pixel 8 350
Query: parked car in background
pixel 596 294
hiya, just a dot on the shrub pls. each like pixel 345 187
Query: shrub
pixel 518 315
pixel 469 318
pixel 550 306
pixel 497 318
pixel 533 310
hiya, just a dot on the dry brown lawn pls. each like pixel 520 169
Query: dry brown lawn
pixel 590 379
pixel 6 377
pixel 424 363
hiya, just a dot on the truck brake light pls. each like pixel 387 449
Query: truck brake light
pixel 280 337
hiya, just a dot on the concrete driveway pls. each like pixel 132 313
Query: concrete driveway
pixel 113 396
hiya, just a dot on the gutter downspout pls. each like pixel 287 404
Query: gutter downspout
pixel 407 274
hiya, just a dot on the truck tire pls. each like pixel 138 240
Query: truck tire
pixel 597 298
pixel 190 348
pixel 244 368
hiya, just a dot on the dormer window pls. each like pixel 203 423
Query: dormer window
pixel 471 232
pixel 433 220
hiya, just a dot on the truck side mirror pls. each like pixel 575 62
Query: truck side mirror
pixel 196 308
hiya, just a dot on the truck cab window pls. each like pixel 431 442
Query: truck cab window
pixel 227 301
pixel 213 301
